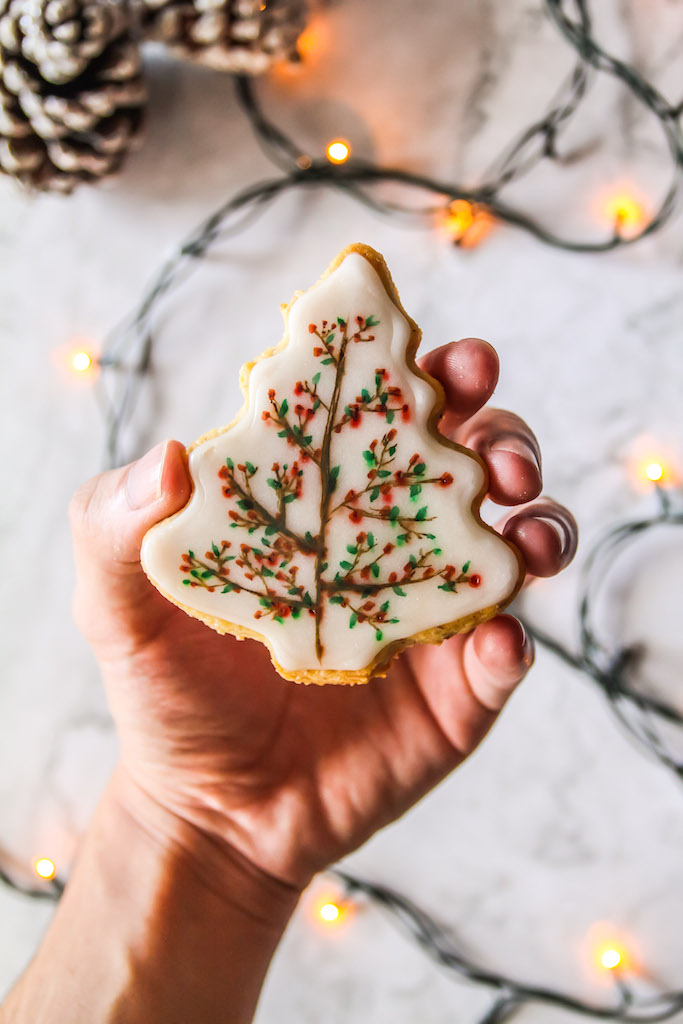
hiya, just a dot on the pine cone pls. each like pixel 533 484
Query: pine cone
pixel 229 35
pixel 71 91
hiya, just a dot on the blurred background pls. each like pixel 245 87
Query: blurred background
pixel 560 834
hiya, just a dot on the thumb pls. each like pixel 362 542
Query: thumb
pixel 109 516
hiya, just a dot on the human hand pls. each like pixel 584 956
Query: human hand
pixel 287 778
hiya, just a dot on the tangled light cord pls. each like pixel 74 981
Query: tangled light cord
pixel 127 360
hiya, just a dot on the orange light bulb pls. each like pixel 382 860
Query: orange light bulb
pixel 44 868
pixel 338 151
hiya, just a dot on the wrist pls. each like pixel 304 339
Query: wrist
pixel 158 924
pixel 204 860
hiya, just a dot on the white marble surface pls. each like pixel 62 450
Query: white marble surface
pixel 558 821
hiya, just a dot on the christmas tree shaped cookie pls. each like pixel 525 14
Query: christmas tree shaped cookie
pixel 330 520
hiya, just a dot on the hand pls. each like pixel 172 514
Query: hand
pixel 284 777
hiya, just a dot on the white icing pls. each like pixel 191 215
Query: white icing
pixel 353 289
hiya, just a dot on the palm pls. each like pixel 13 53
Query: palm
pixel 208 723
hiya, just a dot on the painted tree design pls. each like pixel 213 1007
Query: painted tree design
pixel 289 571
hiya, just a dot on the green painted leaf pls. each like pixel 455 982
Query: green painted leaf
pixel 353 620
pixel 346 565
pixel 186 582
pixel 385 607
pixel 278 618
pixel 369 458
pixel 352 549
pixel 334 473
pixel 365 395
pixel 415 489
pixel 336 599
pixel 401 539
pixel 374 569
pixel 466 566
pixel 374 494
pixel 340 322
pixel 292 591
pixel 288 498
pixel 275 484
pixel 394 513
pixel 383 473
pixel 378 634
pixel 392 450
pixel 229 463
pixel 269 530
pixel 267 572
pixel 419 469
pixel 437 551
pixel 326 362
pixel 250 468
pixel 316 378
pixel 323 567
pixel 284 408
pixel 371 321
pixel 399 592
pixel 422 514
pixel 215 549
pixel 413 560
pixel 316 405
pixel 265 602
pixel 191 554
pixel 227 588
pixel 449 586
pixel 371 540
pixel 310 539
pixel 296 613
pixel 282 433
pixel 195 573
pixel 390 414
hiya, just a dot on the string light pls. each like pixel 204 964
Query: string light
pixel 330 912
pixel 81 362
pixel 610 959
pixel 654 471
pixel 338 151
pixel 45 868
pixel 626 212
pixel 130 348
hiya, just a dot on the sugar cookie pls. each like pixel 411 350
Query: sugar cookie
pixel 330 520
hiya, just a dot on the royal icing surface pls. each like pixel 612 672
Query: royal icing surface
pixel 328 518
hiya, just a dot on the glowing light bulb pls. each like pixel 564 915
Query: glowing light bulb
pixel 308 42
pixel 338 151
pixel 44 867
pixel 459 217
pixel 610 959
pixel 466 224
pixel 626 213
pixel 654 471
pixel 81 361
pixel 330 912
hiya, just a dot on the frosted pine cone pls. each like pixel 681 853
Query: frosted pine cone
pixel 229 35
pixel 71 90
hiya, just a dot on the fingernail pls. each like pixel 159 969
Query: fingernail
pixel 143 480
pixel 518 446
